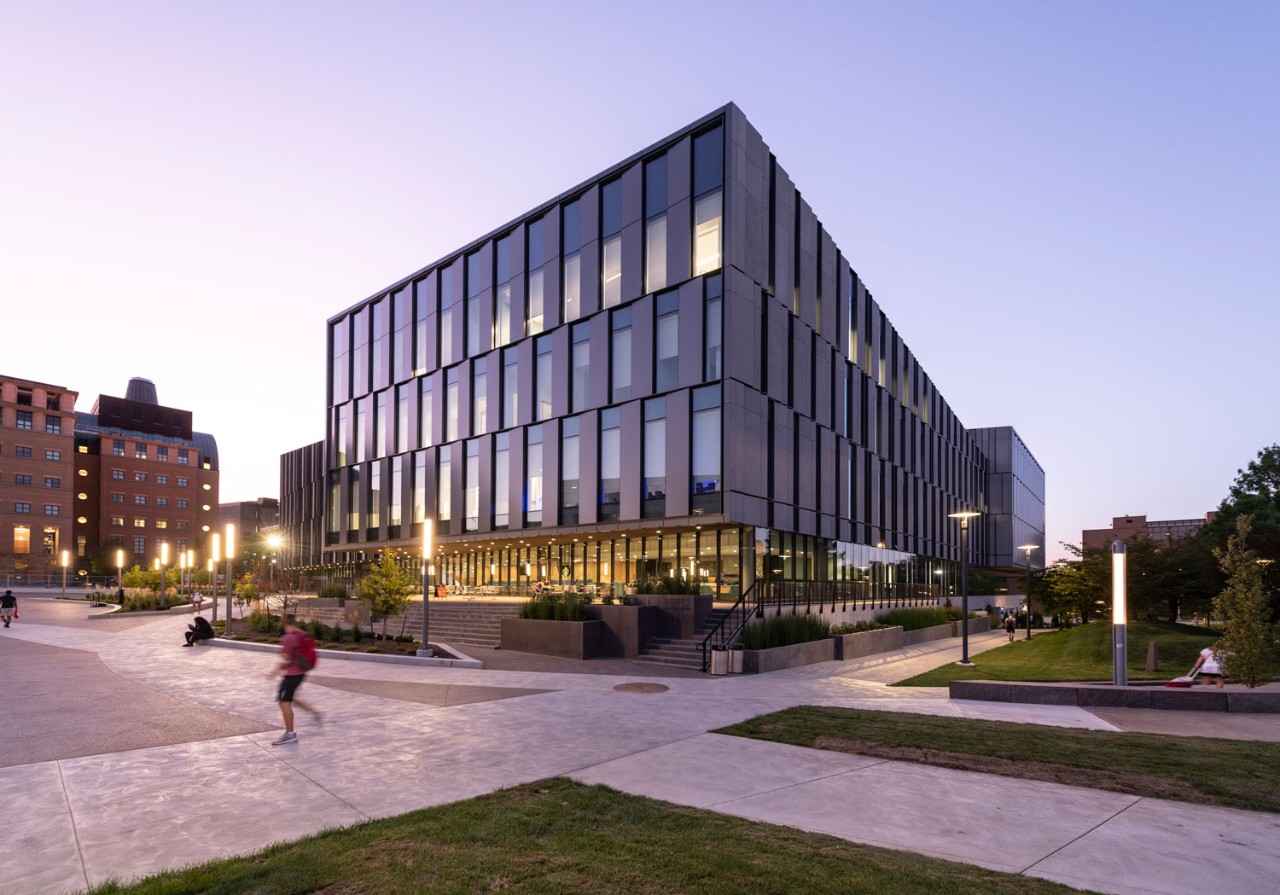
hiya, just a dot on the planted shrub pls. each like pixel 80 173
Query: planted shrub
pixel 357 633
pixel 332 591
pixel 858 627
pixel 784 630
pixel 913 618
pixel 150 602
pixel 658 585
pixel 556 607
pixel 264 622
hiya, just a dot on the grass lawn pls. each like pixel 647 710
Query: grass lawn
pixel 1082 653
pixel 559 837
pixel 1189 769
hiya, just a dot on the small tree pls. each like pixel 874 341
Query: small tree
pixel 1248 638
pixel 386 589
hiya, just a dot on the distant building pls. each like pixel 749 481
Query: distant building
pixel 145 480
pixel 250 516
pixel 302 473
pixel 37 480
pixel 1123 528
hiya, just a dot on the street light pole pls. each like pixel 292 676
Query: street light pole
pixel 964 516
pixel 120 576
pixel 231 552
pixel 1029 548
pixel 66 558
pixel 164 561
pixel 215 557
pixel 1119 617
pixel 426 586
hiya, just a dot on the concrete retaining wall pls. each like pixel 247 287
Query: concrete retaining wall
pixel 1193 699
pixel 568 640
pixel 867 643
pixel 780 657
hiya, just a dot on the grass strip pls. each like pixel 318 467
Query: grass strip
pixel 1082 653
pixel 558 836
pixel 1201 770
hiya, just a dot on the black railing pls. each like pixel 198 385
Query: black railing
pixel 794 596
pixel 730 626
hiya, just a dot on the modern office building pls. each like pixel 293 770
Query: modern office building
pixel 250 516
pixel 302 478
pixel 146 481
pixel 669 370
pixel 37 484
pixel 1163 532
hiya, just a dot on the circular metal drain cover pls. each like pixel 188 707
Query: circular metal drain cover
pixel 641 688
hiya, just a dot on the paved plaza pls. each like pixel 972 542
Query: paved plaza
pixel 123 754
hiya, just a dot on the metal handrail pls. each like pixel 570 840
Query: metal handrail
pixel 797 596
pixel 738 608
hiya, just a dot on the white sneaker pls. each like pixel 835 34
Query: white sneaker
pixel 285 739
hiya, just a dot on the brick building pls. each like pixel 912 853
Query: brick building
pixel 37 485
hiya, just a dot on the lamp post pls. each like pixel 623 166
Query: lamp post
pixel 120 576
pixel 231 552
pixel 215 557
pixel 1029 548
pixel 274 542
pixel 964 516
pixel 66 558
pixel 1119 625
pixel 164 561
pixel 426 586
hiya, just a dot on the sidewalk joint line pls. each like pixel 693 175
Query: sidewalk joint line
pixel 75 831
pixel 1095 827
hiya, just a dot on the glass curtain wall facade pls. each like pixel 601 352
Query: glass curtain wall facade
pixel 668 371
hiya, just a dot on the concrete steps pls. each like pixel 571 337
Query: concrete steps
pixel 681 653
pixel 466 624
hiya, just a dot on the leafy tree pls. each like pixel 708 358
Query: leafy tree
pixel 1255 493
pixel 386 588
pixel 1248 638
pixel 142 579
pixel 1072 589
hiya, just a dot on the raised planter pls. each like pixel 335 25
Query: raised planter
pixel 627 629
pixel 925 635
pixel 679 615
pixel 867 643
pixel 780 657
pixel 568 640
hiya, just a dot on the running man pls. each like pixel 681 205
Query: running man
pixel 293 668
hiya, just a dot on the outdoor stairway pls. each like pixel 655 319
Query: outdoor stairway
pixel 463 624
pixel 681 653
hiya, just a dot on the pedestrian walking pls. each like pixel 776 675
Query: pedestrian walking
pixel 8 607
pixel 1010 625
pixel 297 657
pixel 1210 666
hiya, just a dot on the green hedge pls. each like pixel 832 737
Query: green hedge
pixel 858 627
pixel 784 630
pixel 916 617
pixel 556 607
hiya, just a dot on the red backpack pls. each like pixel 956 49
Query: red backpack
pixel 306 656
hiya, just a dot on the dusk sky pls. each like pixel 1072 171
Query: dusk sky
pixel 1070 211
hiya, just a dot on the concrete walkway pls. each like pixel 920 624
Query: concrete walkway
pixel 397 738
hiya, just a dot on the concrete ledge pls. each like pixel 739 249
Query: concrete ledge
pixel 1141 696
pixel 182 609
pixel 780 657
pixel 463 661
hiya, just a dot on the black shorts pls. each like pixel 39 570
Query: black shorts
pixel 288 686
